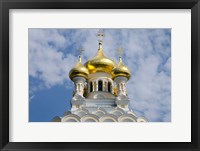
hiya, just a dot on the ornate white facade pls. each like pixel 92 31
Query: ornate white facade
pixel 100 93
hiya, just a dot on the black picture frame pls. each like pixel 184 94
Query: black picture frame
pixel 5 5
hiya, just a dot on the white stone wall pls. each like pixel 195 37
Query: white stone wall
pixel 121 85
pixel 101 115
pixel 79 84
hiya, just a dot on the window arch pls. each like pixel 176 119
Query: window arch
pixel 109 86
pixel 100 85
pixel 122 87
pixel 91 87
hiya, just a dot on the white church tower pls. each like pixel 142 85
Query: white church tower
pixel 100 91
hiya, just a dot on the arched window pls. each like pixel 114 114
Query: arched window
pixel 91 87
pixel 109 87
pixel 100 85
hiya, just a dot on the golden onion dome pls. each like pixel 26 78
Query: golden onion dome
pixel 121 70
pixel 79 70
pixel 100 63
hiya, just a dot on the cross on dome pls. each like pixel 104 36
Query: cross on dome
pixel 80 51
pixel 120 51
pixel 100 34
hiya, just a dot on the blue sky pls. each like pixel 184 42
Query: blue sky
pixel 53 52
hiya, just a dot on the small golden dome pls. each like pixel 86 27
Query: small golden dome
pixel 79 70
pixel 100 63
pixel 121 70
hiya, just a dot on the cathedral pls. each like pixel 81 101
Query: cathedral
pixel 100 93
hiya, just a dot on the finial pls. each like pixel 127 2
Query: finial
pixel 79 59
pixel 80 50
pixel 120 52
pixel 120 59
pixel 100 34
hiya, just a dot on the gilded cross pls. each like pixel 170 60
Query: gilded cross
pixel 120 51
pixel 80 51
pixel 100 34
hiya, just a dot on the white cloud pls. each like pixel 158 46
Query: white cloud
pixel 48 63
pixel 32 97
pixel 146 52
